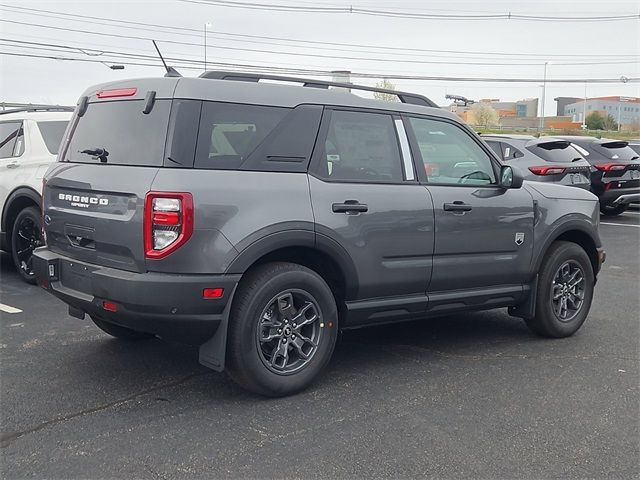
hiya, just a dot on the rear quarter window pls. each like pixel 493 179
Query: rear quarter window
pixel 230 132
pixel 52 133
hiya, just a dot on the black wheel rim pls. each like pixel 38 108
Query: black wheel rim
pixel 567 291
pixel 289 331
pixel 27 239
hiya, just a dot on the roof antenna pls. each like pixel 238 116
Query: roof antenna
pixel 171 72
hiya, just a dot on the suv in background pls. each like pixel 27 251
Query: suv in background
pixel 544 159
pixel 256 219
pixel 615 172
pixel 29 141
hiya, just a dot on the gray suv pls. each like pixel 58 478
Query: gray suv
pixel 258 219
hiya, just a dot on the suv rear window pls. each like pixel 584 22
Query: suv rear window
pixel 128 136
pixel 230 132
pixel 616 150
pixel 52 133
pixel 555 151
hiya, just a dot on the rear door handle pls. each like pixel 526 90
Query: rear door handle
pixel 350 207
pixel 457 206
pixel 12 165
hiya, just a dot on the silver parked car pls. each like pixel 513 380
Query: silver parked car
pixel 544 159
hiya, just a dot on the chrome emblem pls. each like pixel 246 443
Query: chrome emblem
pixel 519 238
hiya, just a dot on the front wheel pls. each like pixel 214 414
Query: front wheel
pixel 565 291
pixel 26 236
pixel 613 210
pixel 282 329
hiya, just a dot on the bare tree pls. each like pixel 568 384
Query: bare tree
pixel 610 123
pixel 387 97
pixel 484 115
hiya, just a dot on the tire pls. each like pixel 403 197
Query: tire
pixel 122 333
pixel 26 235
pixel 612 211
pixel 262 329
pixel 562 262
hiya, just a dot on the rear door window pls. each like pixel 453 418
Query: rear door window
pixel 230 132
pixel 11 139
pixel 52 133
pixel 122 132
pixel 362 147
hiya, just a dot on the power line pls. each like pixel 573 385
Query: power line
pixel 319 55
pixel 357 74
pixel 261 38
pixel 398 14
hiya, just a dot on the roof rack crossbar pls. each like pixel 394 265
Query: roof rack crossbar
pixel 404 97
pixel 38 108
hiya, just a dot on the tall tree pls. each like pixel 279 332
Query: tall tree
pixel 484 115
pixel 610 123
pixel 595 121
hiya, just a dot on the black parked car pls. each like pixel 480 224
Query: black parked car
pixel 615 172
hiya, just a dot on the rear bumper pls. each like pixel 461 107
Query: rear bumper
pixel 620 196
pixel 168 305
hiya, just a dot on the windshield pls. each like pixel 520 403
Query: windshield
pixel 120 133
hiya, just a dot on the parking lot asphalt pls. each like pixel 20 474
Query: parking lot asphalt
pixel 465 396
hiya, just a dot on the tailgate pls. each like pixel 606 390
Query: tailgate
pixel 95 213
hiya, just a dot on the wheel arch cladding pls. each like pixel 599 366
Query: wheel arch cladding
pixel 326 259
pixel 18 200
pixel 579 237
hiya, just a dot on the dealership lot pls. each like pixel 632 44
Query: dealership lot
pixel 473 395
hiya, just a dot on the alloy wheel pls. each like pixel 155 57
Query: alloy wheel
pixel 568 290
pixel 289 331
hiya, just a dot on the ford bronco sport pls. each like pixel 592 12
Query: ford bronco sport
pixel 256 219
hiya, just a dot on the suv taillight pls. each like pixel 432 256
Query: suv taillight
pixel 168 222
pixel 610 167
pixel 547 170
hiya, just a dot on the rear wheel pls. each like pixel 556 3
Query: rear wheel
pixel 26 236
pixel 565 290
pixel 613 210
pixel 123 333
pixel 282 329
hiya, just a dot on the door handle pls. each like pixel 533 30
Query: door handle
pixel 457 206
pixel 350 207
pixel 12 165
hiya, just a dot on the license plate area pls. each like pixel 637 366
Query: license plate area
pixel 75 276
pixel 578 178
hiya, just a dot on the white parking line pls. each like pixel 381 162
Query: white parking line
pixel 632 213
pixel 620 224
pixel 9 309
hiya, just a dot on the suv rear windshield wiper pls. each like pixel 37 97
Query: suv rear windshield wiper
pixel 97 153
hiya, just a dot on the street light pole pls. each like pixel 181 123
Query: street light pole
pixel 206 25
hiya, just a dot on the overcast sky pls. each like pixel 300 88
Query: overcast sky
pixel 510 42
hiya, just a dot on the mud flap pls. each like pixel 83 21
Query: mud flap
pixel 212 353
pixel 527 310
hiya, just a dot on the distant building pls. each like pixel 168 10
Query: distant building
pixel 527 108
pixel 625 110
pixel 562 102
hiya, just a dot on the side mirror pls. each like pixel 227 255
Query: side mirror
pixel 510 177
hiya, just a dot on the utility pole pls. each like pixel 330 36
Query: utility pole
pixel 544 91
pixel 584 111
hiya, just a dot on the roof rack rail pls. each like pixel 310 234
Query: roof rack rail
pixel 404 97
pixel 38 108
